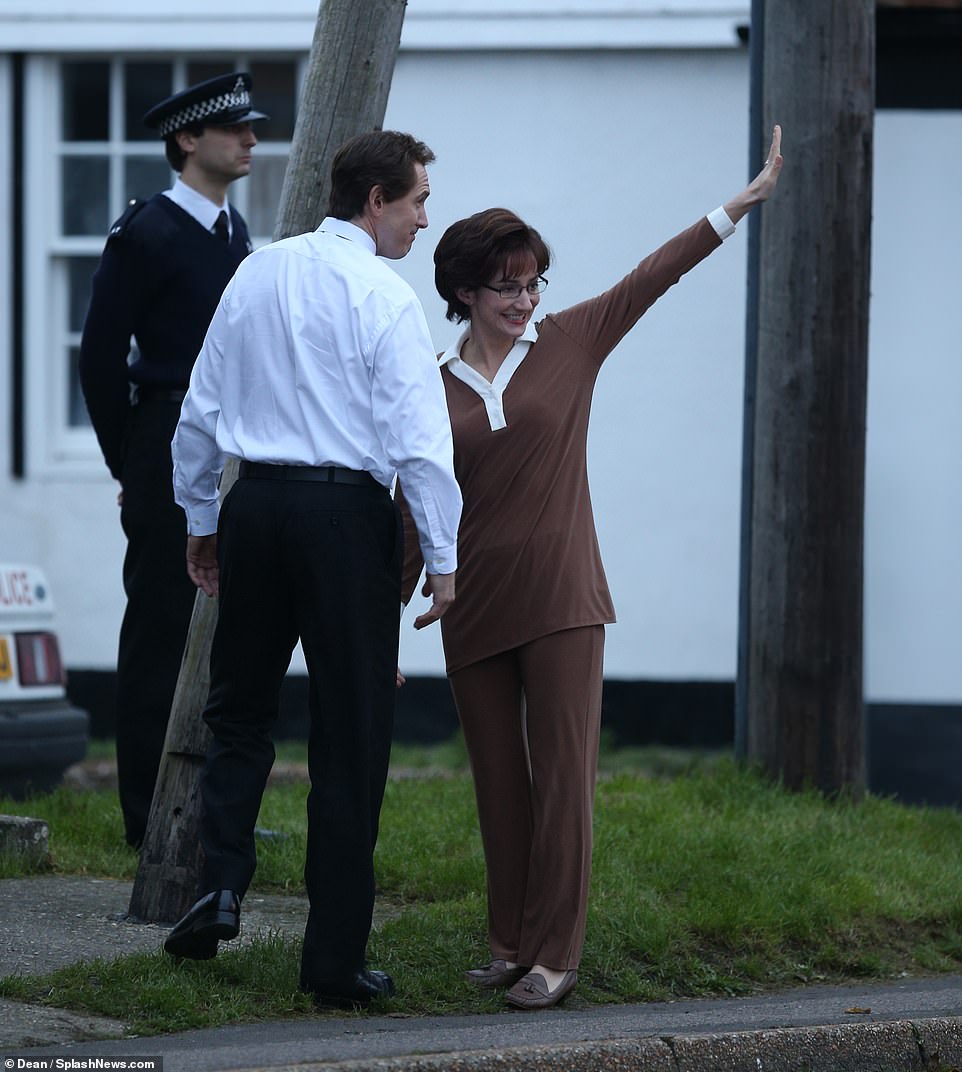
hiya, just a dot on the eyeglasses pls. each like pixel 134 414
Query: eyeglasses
pixel 513 290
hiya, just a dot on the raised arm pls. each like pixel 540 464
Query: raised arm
pixel 763 185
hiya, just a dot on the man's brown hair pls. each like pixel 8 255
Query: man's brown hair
pixel 384 158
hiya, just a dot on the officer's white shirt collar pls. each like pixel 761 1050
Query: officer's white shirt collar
pixel 204 211
pixel 491 393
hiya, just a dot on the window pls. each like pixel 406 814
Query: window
pixel 919 51
pixel 101 157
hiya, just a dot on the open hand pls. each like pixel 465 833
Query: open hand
pixel 765 181
pixel 440 586
pixel 763 185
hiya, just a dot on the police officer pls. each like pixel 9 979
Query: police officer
pixel 162 272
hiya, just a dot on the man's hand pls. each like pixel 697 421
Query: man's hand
pixel 440 586
pixel 202 563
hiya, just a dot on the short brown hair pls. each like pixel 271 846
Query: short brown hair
pixel 475 249
pixel 384 158
pixel 176 156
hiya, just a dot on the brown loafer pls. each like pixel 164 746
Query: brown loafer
pixel 532 991
pixel 495 974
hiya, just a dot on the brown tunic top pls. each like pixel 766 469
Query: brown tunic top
pixel 529 562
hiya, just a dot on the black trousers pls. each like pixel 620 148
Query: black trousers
pixel 319 562
pixel 160 599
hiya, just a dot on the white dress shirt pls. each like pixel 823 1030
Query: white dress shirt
pixel 205 212
pixel 319 354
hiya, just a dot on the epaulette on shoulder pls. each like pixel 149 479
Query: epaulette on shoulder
pixel 133 207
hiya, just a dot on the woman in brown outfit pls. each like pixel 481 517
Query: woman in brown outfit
pixel 524 639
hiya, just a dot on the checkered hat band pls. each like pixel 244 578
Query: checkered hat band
pixel 201 110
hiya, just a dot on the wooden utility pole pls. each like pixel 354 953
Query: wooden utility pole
pixel 345 92
pixel 800 690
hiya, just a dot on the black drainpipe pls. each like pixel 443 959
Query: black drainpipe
pixel 755 160
pixel 17 370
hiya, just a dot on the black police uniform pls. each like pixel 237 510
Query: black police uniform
pixel 159 280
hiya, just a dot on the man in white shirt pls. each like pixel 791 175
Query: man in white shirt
pixel 318 372
pixel 164 267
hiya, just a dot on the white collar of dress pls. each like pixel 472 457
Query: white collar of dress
pixel 453 352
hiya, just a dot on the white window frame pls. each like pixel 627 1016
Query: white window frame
pixel 53 448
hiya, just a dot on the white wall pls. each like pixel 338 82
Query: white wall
pixel 913 553
pixel 609 154
pixel 117 25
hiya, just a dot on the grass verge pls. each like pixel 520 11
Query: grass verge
pixel 708 880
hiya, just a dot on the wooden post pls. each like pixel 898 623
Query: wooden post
pixel 170 857
pixel 345 92
pixel 805 721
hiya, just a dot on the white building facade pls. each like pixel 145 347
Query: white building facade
pixel 609 125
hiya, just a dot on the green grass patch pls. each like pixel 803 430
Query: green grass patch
pixel 155 995
pixel 86 834
pixel 708 880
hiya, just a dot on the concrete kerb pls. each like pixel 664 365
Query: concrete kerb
pixel 898 1046
pixel 24 1026
pixel 24 840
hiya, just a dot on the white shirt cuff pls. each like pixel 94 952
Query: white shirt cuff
pixel 444 560
pixel 202 521
pixel 722 224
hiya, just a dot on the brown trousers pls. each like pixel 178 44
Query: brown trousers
pixel 531 718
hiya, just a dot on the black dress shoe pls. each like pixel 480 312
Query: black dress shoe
pixel 214 918
pixel 358 989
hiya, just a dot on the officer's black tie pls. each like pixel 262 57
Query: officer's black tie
pixel 220 226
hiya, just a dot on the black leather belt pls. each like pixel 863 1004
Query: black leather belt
pixel 146 393
pixel 324 474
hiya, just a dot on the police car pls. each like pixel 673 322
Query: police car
pixel 41 733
